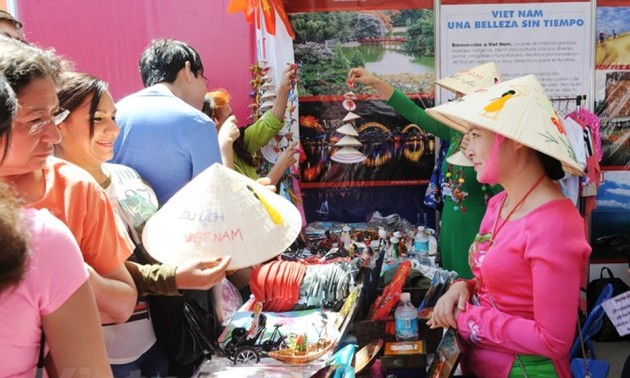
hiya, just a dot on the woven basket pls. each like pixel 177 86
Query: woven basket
pixel 315 351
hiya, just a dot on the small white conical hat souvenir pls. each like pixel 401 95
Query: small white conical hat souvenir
pixel 266 105
pixel 348 129
pixel 348 155
pixel 267 85
pixel 460 158
pixel 350 117
pixel 222 213
pixel 269 95
pixel 350 95
pixel 472 79
pixel 517 109
pixel 348 141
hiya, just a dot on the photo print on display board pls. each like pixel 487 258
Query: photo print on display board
pixel 610 221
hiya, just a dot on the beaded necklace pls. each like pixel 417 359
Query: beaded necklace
pixel 455 181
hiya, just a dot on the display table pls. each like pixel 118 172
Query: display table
pixel 277 331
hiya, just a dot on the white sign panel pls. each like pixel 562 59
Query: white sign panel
pixel 618 311
pixel 549 40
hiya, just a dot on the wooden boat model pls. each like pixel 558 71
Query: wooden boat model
pixel 313 352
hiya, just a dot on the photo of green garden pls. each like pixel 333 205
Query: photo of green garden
pixel 398 45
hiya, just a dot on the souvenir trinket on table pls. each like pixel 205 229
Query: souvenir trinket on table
pixel 366 356
pixel 384 304
pixel 291 285
pixel 446 357
pixel 247 345
pixel 310 353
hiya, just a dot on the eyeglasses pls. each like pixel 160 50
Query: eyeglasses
pixel 205 79
pixel 37 127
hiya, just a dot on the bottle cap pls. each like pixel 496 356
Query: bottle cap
pixel 405 297
pixel 420 228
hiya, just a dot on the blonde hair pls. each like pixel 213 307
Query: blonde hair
pixel 220 96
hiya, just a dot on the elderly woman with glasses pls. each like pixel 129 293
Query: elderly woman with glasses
pixel 43 182
pixel 36 250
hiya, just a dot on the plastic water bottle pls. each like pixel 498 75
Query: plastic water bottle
pixel 433 245
pixel 406 317
pixel 421 241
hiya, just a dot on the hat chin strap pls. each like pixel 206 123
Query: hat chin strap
pixel 490 172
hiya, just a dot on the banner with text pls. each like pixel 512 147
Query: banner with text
pixel 550 40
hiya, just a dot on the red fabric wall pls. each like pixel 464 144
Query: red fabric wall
pixel 106 38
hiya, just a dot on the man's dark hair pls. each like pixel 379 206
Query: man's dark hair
pixel 164 58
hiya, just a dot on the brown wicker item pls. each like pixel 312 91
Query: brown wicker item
pixel 315 351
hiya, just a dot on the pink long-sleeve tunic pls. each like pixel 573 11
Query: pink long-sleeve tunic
pixel 533 272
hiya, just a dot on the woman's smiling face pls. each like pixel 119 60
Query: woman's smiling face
pixel 77 145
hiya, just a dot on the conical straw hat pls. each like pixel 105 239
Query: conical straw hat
pixel 517 109
pixel 348 141
pixel 351 117
pixel 222 213
pixel 472 79
pixel 269 95
pixel 348 155
pixel 459 158
pixel 266 105
pixel 348 129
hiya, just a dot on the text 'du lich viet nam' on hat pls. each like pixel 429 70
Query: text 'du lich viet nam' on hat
pixel 222 213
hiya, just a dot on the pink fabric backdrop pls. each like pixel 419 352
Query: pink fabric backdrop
pixel 106 38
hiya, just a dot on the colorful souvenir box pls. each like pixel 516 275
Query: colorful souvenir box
pixel 367 331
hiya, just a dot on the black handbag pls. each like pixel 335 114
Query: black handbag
pixel 594 288
pixel 186 330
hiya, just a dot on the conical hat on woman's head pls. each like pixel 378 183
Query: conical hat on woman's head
pixel 517 109
pixel 472 79
pixel 460 158
pixel 222 213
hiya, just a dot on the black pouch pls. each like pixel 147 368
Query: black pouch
pixel 594 288
pixel 186 330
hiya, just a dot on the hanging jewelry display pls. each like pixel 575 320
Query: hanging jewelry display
pixel 455 181
pixel 346 148
pixel 259 72
pixel 453 184
pixel 272 150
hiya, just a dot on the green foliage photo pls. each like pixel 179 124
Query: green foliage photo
pixel 328 44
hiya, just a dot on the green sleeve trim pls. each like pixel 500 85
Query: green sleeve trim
pixel 416 115
pixel 154 279
pixel 260 132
